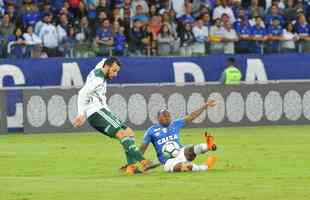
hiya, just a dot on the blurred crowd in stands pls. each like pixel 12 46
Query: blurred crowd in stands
pixel 86 28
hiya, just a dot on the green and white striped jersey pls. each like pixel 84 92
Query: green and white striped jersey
pixel 91 97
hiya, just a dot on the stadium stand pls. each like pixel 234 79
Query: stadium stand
pixel 77 28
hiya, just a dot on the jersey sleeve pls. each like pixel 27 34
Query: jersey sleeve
pixel 179 123
pixel 147 136
pixel 84 95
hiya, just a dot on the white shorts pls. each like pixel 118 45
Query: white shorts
pixel 180 158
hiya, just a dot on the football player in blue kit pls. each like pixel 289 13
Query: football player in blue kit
pixel 167 132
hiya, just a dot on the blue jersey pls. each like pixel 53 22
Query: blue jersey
pixel 257 32
pixel 119 42
pixel 270 18
pixel 30 18
pixel 158 135
pixel 104 34
pixel 275 31
pixel 243 30
pixel 187 18
pixel 302 30
pixel 274 46
pixel 57 4
pixel 142 18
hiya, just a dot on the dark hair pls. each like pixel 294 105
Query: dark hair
pixel 231 60
pixel 258 17
pixel 162 29
pixel 290 23
pixel 103 20
pixel 162 111
pixel 136 20
pixel 224 14
pixel 18 28
pixel 216 19
pixel 71 27
pixel 109 61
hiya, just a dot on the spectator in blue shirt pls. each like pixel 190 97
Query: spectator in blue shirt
pixel 30 17
pixel 302 27
pixel 242 13
pixel 138 37
pixel 258 35
pixel 70 42
pixel 303 30
pixel 119 40
pixel 92 13
pixel 236 7
pixel 243 29
pixel 57 4
pixel 140 15
pixel 12 12
pixel 47 8
pixel 274 14
pixel 188 17
pixel 16 46
pixel 104 38
pixel 275 33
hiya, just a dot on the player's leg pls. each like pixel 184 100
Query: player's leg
pixel 180 163
pixel 209 140
pixel 190 154
pixel 106 123
pixel 188 166
pixel 128 143
pixel 126 137
pixel 192 151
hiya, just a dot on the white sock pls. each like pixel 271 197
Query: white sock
pixel 197 168
pixel 200 148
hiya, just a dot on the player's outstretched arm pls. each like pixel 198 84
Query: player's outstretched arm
pixel 147 138
pixel 209 104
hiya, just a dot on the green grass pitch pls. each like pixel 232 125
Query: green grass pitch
pixel 255 163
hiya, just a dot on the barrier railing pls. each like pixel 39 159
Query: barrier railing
pixel 52 109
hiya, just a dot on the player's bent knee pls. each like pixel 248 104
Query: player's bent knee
pixel 120 134
pixel 129 132
pixel 189 153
